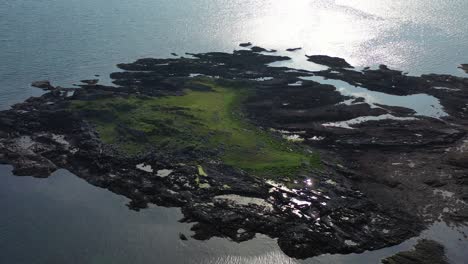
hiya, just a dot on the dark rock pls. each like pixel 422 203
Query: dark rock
pixel 293 49
pixel 435 183
pixel 391 183
pixel 182 237
pixel 460 215
pixel 459 159
pixel 38 168
pixel 6 122
pixel 383 67
pixel 425 252
pixel 246 44
pixel 359 100
pixel 258 49
pixel 396 110
pixel 333 62
pixel 45 85
pixel 90 82
pixel 464 67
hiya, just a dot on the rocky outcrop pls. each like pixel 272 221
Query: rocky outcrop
pixel 425 252
pixel 293 49
pixel 333 62
pixel 245 44
pixel 464 67
pixel 44 85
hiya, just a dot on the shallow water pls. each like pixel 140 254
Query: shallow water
pixel 65 220
pixel 422 104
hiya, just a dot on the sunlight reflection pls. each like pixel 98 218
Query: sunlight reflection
pixel 363 32
pixel 317 26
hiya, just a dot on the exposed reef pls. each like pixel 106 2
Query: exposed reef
pixel 244 148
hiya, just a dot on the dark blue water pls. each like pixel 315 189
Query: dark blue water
pixel 65 220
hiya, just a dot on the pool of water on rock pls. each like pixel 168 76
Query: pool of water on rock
pixel 422 104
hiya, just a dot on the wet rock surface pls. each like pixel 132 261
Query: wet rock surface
pixel 425 252
pixel 45 85
pixel 293 49
pixel 381 181
pixel 464 67
pixel 333 62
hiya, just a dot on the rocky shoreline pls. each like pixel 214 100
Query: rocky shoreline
pixel 379 183
pixel 425 252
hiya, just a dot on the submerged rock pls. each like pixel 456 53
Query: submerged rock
pixel 45 85
pixel 91 81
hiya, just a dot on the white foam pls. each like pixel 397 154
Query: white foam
pixel 244 200
pixel 347 124
pixel 144 167
pixel 164 173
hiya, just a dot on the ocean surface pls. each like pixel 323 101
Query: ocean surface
pixel 63 219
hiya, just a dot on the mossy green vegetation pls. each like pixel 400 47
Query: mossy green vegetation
pixel 207 120
pixel 201 171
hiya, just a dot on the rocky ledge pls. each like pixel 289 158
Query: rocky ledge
pixel 244 148
pixel 464 67
pixel 425 252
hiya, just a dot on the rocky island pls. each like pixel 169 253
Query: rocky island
pixel 245 148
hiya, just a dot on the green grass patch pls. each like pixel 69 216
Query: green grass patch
pixel 197 120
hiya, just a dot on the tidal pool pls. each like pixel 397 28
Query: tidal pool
pixel 422 104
